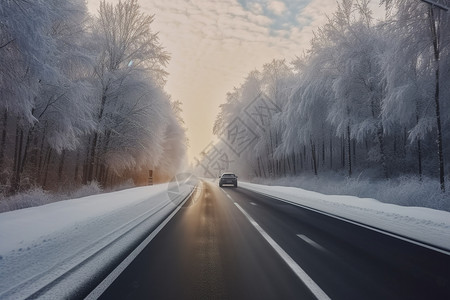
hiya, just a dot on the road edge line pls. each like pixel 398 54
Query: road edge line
pixel 373 228
pixel 301 274
pixel 103 286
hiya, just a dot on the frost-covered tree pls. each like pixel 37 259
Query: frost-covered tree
pixel 256 105
pixel 82 97
pixel 24 48
pixel 23 45
pixel 364 94
pixel 42 79
pixel 408 90
pixel 423 28
pixel 358 87
pixel 174 144
pixel 129 51
pixel 307 109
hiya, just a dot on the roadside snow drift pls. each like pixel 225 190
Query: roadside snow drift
pixel 52 251
pixel 426 225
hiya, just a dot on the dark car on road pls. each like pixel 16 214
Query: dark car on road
pixel 228 178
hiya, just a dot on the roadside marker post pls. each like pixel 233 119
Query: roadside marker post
pixel 150 177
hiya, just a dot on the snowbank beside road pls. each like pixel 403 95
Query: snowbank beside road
pixel 404 190
pixel 68 243
pixel 426 225
pixel 24 227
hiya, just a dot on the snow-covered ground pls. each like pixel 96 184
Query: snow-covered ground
pixel 405 190
pixel 38 245
pixel 426 225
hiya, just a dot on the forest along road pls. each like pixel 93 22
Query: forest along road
pixel 236 244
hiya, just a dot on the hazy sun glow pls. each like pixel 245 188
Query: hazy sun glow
pixel 215 44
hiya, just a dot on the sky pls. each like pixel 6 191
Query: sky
pixel 215 44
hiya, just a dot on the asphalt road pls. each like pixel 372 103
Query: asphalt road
pixel 235 244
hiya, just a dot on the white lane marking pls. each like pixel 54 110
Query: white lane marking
pixel 101 288
pixel 388 233
pixel 253 203
pixel 311 242
pixel 310 284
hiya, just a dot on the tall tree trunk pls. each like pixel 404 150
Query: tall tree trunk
pixel 439 130
pixel 383 154
pixel 269 163
pixel 419 146
pixel 270 156
pixel 395 145
pixel 61 166
pixel 86 163
pixel 313 154
pixel 34 158
pixel 92 156
pixel 354 152
pixel 419 158
pixel 331 152
pixel 294 164
pixel 323 152
pixel 26 149
pixel 17 159
pixel 263 168
pixel 3 142
pixel 77 166
pixel 349 152
pixel 41 156
pixel 259 167
pixel 91 160
pixel 46 166
pixel 301 161
pixel 105 179
pixel 102 168
pixel 435 30
pixel 16 147
pixel 100 175
pixel 304 153
pixel 405 139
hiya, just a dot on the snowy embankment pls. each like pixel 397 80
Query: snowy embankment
pixel 425 225
pixel 52 251
pixel 403 190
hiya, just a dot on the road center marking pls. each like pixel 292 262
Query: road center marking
pixel 310 284
pixel 311 242
pixel 253 203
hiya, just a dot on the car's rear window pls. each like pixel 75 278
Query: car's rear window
pixel 228 175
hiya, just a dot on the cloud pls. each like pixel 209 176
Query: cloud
pixel 277 7
pixel 256 8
